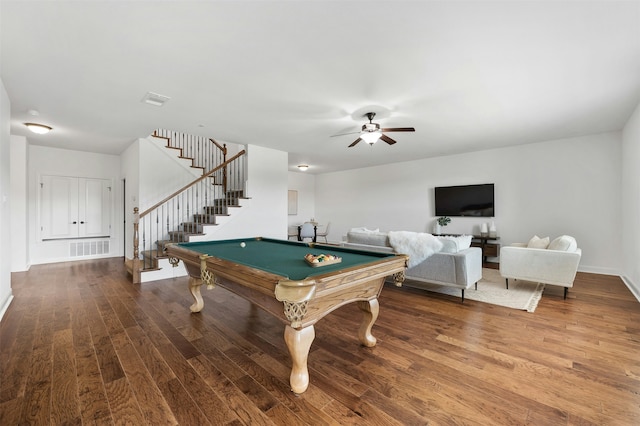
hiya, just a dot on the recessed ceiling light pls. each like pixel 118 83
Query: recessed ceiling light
pixel 155 99
pixel 303 167
pixel 40 129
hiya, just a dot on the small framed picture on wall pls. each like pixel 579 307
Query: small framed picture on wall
pixel 292 202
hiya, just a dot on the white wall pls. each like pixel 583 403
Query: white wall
pixel 631 202
pixel 161 173
pixel 5 211
pixel 570 186
pixel 130 173
pixel 19 204
pixel 266 212
pixel 62 162
pixel 304 183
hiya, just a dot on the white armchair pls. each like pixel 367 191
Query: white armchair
pixel 556 264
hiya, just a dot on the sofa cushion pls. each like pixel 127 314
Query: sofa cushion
pixel 537 242
pixel 369 238
pixel 564 243
pixel 451 244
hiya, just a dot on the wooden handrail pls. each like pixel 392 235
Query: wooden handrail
pixel 220 147
pixel 206 175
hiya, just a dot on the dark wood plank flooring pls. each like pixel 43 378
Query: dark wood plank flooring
pixel 80 344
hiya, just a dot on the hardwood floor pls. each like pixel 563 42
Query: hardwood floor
pixel 80 344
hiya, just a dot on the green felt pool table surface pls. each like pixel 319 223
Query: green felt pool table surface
pixel 273 275
pixel 280 257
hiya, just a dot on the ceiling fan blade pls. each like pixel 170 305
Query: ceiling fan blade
pixel 355 142
pixel 342 134
pixel 399 129
pixel 387 139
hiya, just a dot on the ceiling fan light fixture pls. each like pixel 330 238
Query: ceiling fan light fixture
pixel 303 167
pixel 370 137
pixel 40 129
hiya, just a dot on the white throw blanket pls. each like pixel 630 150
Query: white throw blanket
pixel 417 245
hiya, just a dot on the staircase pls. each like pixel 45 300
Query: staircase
pixel 193 211
pixel 197 227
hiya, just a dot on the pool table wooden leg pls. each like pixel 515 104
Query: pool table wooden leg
pixel 299 343
pixel 194 288
pixel 370 309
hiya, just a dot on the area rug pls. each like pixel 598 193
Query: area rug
pixel 522 295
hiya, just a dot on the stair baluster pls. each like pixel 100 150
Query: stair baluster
pixel 186 211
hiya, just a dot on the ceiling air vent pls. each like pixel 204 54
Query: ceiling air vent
pixel 155 99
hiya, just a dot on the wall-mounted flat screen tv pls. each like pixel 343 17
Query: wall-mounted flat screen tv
pixel 465 200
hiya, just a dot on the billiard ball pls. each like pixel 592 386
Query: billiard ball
pixel 243 245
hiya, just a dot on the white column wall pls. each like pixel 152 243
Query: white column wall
pixel 19 204
pixel 266 211
pixel 570 186
pixel 631 202
pixel 5 210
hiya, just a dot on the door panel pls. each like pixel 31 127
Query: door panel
pixel 95 207
pixel 73 207
pixel 59 215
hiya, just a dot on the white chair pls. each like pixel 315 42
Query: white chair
pixel 307 230
pixel 324 233
pixel 556 264
pixel 292 232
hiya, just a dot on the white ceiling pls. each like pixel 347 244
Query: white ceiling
pixel 287 75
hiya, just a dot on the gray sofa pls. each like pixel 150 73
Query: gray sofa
pixel 452 266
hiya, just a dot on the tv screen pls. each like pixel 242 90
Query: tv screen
pixel 466 200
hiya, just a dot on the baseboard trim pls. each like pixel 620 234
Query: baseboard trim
pixel 598 270
pixel 6 305
pixel 633 288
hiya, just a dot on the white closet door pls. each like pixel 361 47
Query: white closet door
pixel 59 213
pixel 73 207
pixel 94 207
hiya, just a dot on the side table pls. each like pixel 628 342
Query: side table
pixel 489 245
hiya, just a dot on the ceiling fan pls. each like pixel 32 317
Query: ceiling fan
pixel 371 132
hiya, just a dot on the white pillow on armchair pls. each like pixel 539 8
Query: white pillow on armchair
pixel 563 243
pixel 537 242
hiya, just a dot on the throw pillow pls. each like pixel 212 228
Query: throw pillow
pixel 464 242
pixel 451 244
pixel 564 243
pixel 448 245
pixel 537 242
pixel 363 229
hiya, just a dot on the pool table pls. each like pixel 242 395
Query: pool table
pixel 274 275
